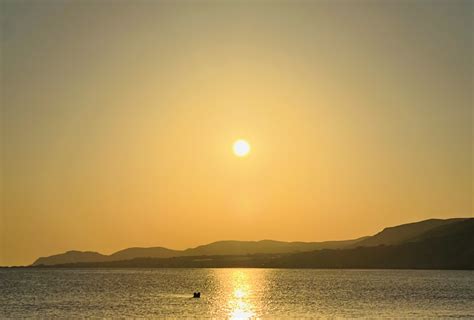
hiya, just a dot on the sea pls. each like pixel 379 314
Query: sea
pixel 235 294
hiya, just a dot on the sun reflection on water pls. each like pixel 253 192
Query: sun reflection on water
pixel 240 303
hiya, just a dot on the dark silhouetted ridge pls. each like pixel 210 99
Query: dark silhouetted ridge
pixel 429 244
pixel 404 232
pixel 71 257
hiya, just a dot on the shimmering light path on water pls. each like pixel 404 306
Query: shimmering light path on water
pixel 235 293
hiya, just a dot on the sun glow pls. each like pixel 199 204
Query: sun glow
pixel 241 148
pixel 240 303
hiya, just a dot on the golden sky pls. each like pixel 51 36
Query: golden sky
pixel 118 120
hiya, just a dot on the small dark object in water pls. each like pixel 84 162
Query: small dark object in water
pixel 197 295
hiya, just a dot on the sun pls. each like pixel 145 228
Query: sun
pixel 241 148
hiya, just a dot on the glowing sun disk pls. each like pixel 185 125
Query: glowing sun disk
pixel 241 148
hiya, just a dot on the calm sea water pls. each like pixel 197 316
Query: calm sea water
pixel 235 293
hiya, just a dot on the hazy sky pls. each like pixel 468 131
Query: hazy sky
pixel 118 119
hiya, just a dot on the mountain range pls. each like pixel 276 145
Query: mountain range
pixel 434 242
pixel 227 247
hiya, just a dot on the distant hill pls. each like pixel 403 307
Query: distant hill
pixel 72 257
pixel 449 246
pixel 232 247
pixel 154 252
pixel 404 232
pixel 397 235
pixel 229 247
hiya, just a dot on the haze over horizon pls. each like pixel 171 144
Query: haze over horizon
pixel 118 121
